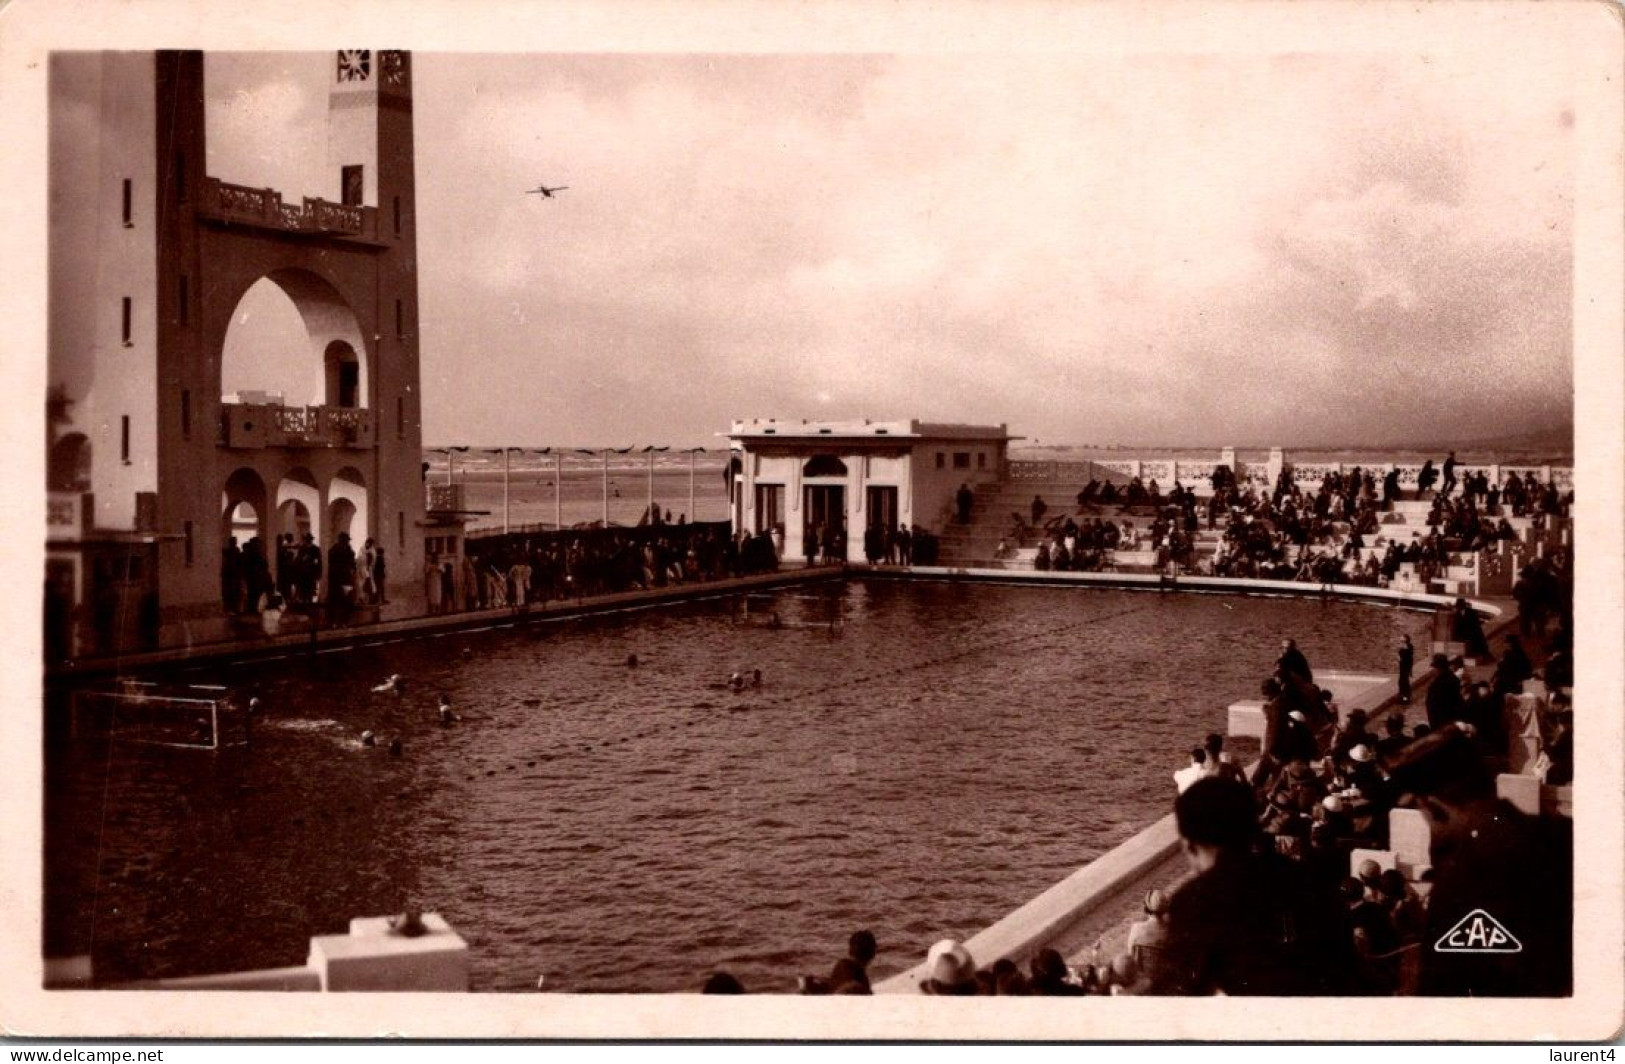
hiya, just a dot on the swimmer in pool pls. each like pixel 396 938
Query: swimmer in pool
pixel 756 677
pixel 736 681
pixel 631 661
pixel 368 739
pixel 446 715
pixel 395 683
pixel 394 748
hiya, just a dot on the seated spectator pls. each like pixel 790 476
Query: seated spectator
pixel 1394 738
pixel 1049 976
pixel 1487 855
pixel 1147 937
pixel 950 971
pixel 1219 761
pixel 1224 924
pixel 1193 771
pixel 854 967
pixel 722 983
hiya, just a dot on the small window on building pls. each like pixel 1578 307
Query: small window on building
pixel 400 528
pixel 124 439
pixel 351 185
pixel 400 417
pixel 942 460
pixel 187 528
pixel 129 204
pixel 431 545
pixel 981 459
pixel 185 295
pixel 400 319
pixel 186 414
pixel 127 321
pixel 397 216
pixel 961 459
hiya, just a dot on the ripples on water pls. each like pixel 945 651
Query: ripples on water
pixel 937 759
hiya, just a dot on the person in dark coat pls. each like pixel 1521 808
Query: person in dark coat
pixel 962 500
pixel 1293 662
pixel 1514 669
pixel 340 579
pixel 1444 695
pixel 1407 662
pixel 1489 860
pixel 1248 922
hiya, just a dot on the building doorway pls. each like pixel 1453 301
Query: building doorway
pixel 823 527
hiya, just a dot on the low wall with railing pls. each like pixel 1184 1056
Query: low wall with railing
pixel 1197 474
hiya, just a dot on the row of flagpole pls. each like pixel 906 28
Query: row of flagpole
pixel 558 473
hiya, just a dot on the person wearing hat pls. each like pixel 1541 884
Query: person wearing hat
pixel 1247 923
pixel 1393 738
pixel 340 579
pixel 949 971
pixel 1444 701
pixel 1488 856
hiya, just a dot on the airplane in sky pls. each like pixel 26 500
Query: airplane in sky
pixel 545 191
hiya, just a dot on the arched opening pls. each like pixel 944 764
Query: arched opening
pixel 340 516
pixel 69 467
pixel 298 506
pixel 824 465
pixel 294 341
pixel 245 573
pixel 347 507
pixel 343 375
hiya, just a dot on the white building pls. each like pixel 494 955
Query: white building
pixel 793 477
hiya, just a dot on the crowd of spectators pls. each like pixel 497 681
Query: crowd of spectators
pixel 1276 903
pixel 524 568
pixel 1288 532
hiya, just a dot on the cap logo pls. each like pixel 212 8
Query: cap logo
pixel 1478 932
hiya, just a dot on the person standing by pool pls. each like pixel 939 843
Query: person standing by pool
pixel 1407 661
pixel 962 500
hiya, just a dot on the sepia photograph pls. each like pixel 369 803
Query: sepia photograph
pixel 584 509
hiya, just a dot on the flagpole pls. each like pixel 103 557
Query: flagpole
pixel 606 489
pixel 558 487
pixel 650 509
pixel 691 457
pixel 505 491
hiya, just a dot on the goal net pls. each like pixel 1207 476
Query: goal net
pixel 133 712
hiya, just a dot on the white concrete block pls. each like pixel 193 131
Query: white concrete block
pixel 1246 720
pixel 1409 837
pixel 372 957
pixel 1522 791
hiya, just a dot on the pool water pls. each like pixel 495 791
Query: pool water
pixel 919 760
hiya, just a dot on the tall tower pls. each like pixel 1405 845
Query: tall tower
pixel 370 156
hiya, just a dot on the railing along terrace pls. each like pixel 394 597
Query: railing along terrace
pixel 264 207
pixel 272 425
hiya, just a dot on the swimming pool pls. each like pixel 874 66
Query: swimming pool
pixel 920 759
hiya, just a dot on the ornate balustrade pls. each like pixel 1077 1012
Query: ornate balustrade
pixel 264 207
pixel 250 425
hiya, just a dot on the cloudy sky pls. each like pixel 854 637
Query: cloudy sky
pixel 1184 249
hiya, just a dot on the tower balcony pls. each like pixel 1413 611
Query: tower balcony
pixel 256 425
pixel 263 208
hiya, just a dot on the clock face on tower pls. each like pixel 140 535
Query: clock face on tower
pixel 393 66
pixel 355 64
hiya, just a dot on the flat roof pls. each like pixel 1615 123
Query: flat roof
pixel 864 429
